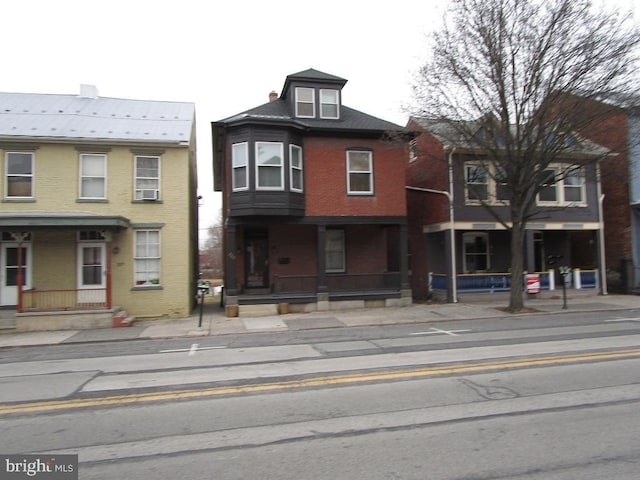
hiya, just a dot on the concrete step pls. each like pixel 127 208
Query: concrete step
pixel 264 310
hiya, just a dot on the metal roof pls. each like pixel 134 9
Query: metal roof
pixel 60 117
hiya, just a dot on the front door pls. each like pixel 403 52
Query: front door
pixel 9 274
pixel 92 280
pixel 256 261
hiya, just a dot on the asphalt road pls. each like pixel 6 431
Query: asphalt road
pixel 549 397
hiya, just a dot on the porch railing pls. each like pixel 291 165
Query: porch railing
pixel 500 282
pixel 71 299
pixel 353 282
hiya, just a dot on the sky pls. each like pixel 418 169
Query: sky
pixel 224 56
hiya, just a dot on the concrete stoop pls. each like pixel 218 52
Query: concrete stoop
pixel 121 319
pixel 262 310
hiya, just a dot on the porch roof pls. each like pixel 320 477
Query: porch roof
pixel 39 221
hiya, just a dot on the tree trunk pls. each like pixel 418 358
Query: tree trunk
pixel 517 266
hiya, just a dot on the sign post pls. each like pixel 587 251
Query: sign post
pixel 564 273
pixel 533 282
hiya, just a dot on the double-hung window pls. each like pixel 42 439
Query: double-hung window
pixel 295 162
pixel 240 162
pixel 147 258
pixel 477 182
pixel 93 176
pixel 563 187
pixel 359 172
pixel 269 166
pixel 305 102
pixel 548 191
pixel 19 175
pixel 503 191
pixel 329 104
pixel 573 183
pixel 147 177
pixel 335 251
pixel 475 251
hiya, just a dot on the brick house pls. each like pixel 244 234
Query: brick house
pixel 458 246
pixel 314 206
pixel 617 129
pixel 99 209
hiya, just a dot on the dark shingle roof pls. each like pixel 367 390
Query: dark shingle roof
pixel 461 135
pixel 350 119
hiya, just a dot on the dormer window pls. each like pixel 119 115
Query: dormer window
pixel 329 104
pixel 305 102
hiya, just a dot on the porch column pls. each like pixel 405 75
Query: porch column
pixel 530 251
pixel 449 239
pixel 19 237
pixel 108 272
pixel 322 266
pixel 602 265
pixel 530 256
pixel 230 280
pixel 404 258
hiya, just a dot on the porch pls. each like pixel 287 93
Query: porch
pixel 56 269
pixel 316 267
pixel 491 282
pixel 300 293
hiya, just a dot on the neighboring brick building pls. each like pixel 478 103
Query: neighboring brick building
pixel 314 204
pixel 616 128
pixel 99 207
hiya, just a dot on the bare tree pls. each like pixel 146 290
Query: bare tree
pixel 504 75
pixel 211 253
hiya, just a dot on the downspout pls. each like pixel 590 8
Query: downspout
pixel 601 252
pixel 452 230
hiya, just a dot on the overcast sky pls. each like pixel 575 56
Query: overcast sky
pixel 224 56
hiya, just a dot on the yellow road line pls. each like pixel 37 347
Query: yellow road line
pixel 337 379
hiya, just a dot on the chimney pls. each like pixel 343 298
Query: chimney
pixel 88 91
pixel 273 96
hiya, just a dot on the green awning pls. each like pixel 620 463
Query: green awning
pixel 60 221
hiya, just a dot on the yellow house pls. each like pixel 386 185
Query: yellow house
pixel 99 209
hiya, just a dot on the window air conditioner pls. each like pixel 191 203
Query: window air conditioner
pixel 150 194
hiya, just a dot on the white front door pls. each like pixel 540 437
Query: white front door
pixel 9 273
pixel 92 280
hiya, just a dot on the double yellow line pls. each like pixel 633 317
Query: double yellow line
pixel 309 382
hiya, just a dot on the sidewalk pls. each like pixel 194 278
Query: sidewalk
pixel 215 323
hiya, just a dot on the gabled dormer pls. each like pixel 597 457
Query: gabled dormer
pixel 313 95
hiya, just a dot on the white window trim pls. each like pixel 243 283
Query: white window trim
pixel 244 145
pixel 337 103
pixel 136 177
pixel 292 168
pixel 492 185
pixel 81 176
pixel 281 167
pixel 370 172
pixel 135 258
pixel 413 150
pixel 474 201
pixel 559 187
pixel 32 176
pixel 464 250
pixel 313 102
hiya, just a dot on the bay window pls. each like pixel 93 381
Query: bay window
pixel 269 166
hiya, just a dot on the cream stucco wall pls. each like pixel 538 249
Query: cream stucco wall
pixel 56 189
